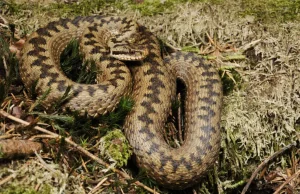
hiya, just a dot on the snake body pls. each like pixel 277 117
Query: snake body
pixel 110 40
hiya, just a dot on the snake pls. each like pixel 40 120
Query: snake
pixel 131 62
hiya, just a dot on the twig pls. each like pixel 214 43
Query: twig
pixel 179 120
pixel 41 136
pixel 5 67
pixel 79 148
pixel 172 47
pixel 265 162
pixel 46 166
pixel 287 181
pixel 210 39
pixel 3 25
pixel 122 191
pixel 249 45
pixel 213 42
pixel 4 21
pixel 8 136
pixel 83 163
pixel 95 189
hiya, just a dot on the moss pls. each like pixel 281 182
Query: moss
pixel 58 8
pixel 18 190
pixel 271 10
pixel 12 7
pixel 115 146
pixel 154 7
pixel 149 7
pixel 12 189
pixel 80 8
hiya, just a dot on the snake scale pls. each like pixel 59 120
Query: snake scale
pixel 150 80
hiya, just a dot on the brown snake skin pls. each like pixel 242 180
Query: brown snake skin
pixel 109 40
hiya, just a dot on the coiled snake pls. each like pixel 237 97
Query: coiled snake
pixel 110 40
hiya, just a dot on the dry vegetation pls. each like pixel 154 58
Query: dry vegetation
pixel 257 49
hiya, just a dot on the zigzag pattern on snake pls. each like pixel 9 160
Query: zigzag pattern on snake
pixel 151 81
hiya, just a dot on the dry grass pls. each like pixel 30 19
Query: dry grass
pixel 261 112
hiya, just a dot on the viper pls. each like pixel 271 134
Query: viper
pixel 150 81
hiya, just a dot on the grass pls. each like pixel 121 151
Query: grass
pixel 8 69
pixel 74 67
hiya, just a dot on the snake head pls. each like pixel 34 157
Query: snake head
pixel 129 54
pixel 127 47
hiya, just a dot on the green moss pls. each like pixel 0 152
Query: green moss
pixel 154 7
pixel 149 7
pixel 271 10
pixel 281 10
pixel 80 8
pixel 114 145
pixel 19 190
pixel 12 7
pixel 58 8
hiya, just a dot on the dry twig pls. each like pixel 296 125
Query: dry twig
pixel 96 188
pixel 9 136
pixel 179 121
pixel 265 162
pixel 287 181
